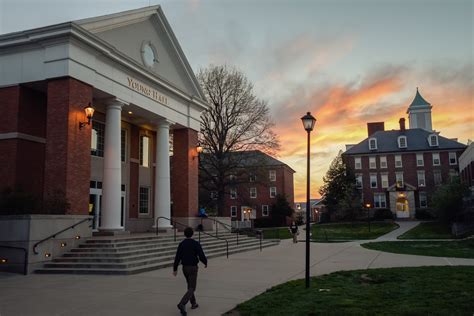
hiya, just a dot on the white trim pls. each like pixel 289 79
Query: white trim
pixel 233 211
pixel 422 160
pixel 455 158
pixel 400 143
pixel 271 192
pixel 17 135
pixel 430 140
pixel 250 192
pixel 267 210
pixel 371 177
pixel 383 162
pixel 398 160
pixel 357 161
pixel 436 156
pixel 272 175
pixel 372 160
pixel 374 147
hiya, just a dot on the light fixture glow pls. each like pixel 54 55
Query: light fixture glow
pixel 78 237
pixel 3 260
pixel 89 110
pixel 47 255
pixel 63 244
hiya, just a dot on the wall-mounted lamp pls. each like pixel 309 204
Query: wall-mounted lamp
pixel 78 237
pixel 198 150
pixel 63 244
pixel 3 260
pixel 367 205
pixel 47 255
pixel 89 110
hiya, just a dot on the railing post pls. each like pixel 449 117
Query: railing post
pixel 174 229
pixel 217 230
pixel 260 240
pixel 238 232
pixel 227 246
pixel 25 269
pixel 199 236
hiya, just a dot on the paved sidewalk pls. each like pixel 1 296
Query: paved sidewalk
pixel 225 283
pixel 404 227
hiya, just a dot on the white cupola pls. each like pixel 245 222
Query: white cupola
pixel 419 113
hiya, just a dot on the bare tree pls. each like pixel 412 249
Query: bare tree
pixel 236 121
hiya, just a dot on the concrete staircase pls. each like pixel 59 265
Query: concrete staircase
pixel 136 254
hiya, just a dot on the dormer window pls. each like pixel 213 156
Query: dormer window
pixel 372 143
pixel 433 140
pixel 402 142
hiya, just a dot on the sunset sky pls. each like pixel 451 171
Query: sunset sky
pixel 348 62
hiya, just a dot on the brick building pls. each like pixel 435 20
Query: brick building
pixel 128 66
pixel 466 166
pixel 400 169
pixel 253 186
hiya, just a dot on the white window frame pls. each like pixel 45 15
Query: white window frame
pixel 233 193
pixel 265 210
pixel 380 200
pixel 398 159
pixel 357 163
pixel 144 158
pixel 436 157
pixel 420 194
pixel 404 144
pixel 252 177
pixel 435 177
pixel 233 211
pixel 383 162
pixel 453 156
pixel 272 175
pixel 253 192
pixel 359 176
pixel 421 178
pixel 384 180
pixel 373 181
pixel 399 180
pixel 372 143
pixel 372 162
pixel 420 161
pixel 273 192
pixel 433 140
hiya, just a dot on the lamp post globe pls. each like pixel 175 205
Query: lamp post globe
pixel 308 123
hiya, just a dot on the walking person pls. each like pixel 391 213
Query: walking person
pixel 294 231
pixel 189 253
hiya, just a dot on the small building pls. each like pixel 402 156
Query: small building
pixel 466 166
pixel 400 169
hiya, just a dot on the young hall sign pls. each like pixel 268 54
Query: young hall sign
pixel 147 91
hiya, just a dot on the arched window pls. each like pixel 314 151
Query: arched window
pixel 402 142
pixel 433 140
pixel 372 143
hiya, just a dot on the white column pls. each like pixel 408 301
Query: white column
pixel 162 174
pixel 111 187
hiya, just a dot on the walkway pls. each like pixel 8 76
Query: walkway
pixel 225 283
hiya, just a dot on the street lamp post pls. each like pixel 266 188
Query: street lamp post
pixel 368 214
pixel 308 123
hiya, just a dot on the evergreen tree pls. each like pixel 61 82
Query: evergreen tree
pixel 281 209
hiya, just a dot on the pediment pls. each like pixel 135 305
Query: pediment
pixel 406 187
pixel 145 36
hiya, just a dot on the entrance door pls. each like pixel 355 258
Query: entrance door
pixel 403 211
pixel 248 213
pixel 95 207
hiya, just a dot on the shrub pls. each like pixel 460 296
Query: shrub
pixel 382 214
pixel 19 202
pixel 424 214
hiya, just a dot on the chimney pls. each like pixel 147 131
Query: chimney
pixel 375 127
pixel 402 124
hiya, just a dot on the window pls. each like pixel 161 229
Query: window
pixel 144 201
pixel 383 162
pixel 358 181
pixel 372 143
pixel 452 159
pixel 252 177
pixel 358 163
pixel 398 161
pixel 423 200
pixel 372 163
pixel 433 140
pixel 436 161
pixel 253 193
pixel 373 180
pixel 144 151
pixel 384 178
pixel 272 175
pixel 214 195
pixel 399 179
pixel 402 142
pixel 97 139
pixel 233 211
pixel 438 178
pixel 421 178
pixel 233 193
pixel 265 210
pixel 419 160
pixel 273 192
pixel 380 200
pixel 123 143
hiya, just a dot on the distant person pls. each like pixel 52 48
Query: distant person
pixel 294 231
pixel 189 253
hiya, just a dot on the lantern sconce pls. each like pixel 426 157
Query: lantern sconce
pixel 89 110
pixel 198 150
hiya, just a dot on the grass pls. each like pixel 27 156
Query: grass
pixel 277 233
pixel 356 231
pixel 395 291
pixel 431 230
pixel 455 249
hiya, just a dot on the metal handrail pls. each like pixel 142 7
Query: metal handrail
pixel 59 232
pixel 223 224
pixel 25 267
pixel 172 222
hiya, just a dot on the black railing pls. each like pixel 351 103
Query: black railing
pixel 226 226
pixel 59 232
pixel 25 251
pixel 172 222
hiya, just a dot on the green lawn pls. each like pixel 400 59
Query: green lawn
pixel 431 230
pixel 395 291
pixel 277 233
pixel 356 231
pixel 457 249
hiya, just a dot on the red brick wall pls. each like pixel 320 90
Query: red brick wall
pixel 67 161
pixel 184 172
pixel 9 106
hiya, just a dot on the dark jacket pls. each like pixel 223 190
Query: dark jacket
pixel 189 253
pixel 294 229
